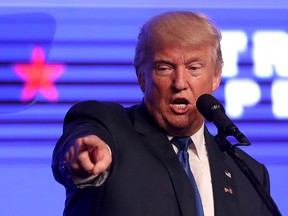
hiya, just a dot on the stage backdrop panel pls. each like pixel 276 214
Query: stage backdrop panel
pixel 56 55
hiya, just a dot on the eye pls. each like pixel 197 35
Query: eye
pixel 194 68
pixel 163 69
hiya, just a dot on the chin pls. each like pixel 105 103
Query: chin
pixel 181 125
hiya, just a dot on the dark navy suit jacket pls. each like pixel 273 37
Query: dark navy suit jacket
pixel 146 178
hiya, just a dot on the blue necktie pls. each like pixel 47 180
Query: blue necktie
pixel 182 144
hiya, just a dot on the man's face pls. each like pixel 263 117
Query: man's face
pixel 174 78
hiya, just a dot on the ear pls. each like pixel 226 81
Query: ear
pixel 141 81
pixel 216 80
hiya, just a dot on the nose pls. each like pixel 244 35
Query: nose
pixel 180 80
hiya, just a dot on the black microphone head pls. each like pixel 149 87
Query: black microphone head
pixel 213 111
pixel 207 105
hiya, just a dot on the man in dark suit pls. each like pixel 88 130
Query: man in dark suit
pixel 123 161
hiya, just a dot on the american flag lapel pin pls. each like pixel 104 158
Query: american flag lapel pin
pixel 228 190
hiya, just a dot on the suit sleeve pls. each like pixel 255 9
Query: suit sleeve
pixel 82 119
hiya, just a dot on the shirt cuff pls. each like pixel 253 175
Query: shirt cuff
pixel 93 180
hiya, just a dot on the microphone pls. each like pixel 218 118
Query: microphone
pixel 213 111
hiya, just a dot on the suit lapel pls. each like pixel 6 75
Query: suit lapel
pixel 223 182
pixel 160 147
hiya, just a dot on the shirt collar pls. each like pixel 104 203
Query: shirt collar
pixel 198 140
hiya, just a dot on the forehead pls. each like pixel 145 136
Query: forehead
pixel 182 53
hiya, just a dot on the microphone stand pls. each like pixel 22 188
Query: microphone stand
pixel 226 146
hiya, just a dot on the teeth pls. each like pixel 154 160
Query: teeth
pixel 180 105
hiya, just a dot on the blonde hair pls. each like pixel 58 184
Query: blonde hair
pixel 180 27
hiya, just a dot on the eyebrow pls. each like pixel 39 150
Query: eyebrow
pixel 194 59
pixel 162 61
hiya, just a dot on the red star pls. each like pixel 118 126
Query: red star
pixel 39 76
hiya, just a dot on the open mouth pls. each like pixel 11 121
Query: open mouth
pixel 180 102
pixel 179 105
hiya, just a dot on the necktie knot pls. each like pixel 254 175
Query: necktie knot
pixel 182 143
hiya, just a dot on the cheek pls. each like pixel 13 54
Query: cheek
pixel 160 85
pixel 152 90
pixel 200 86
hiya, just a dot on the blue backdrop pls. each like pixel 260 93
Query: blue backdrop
pixel 52 56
